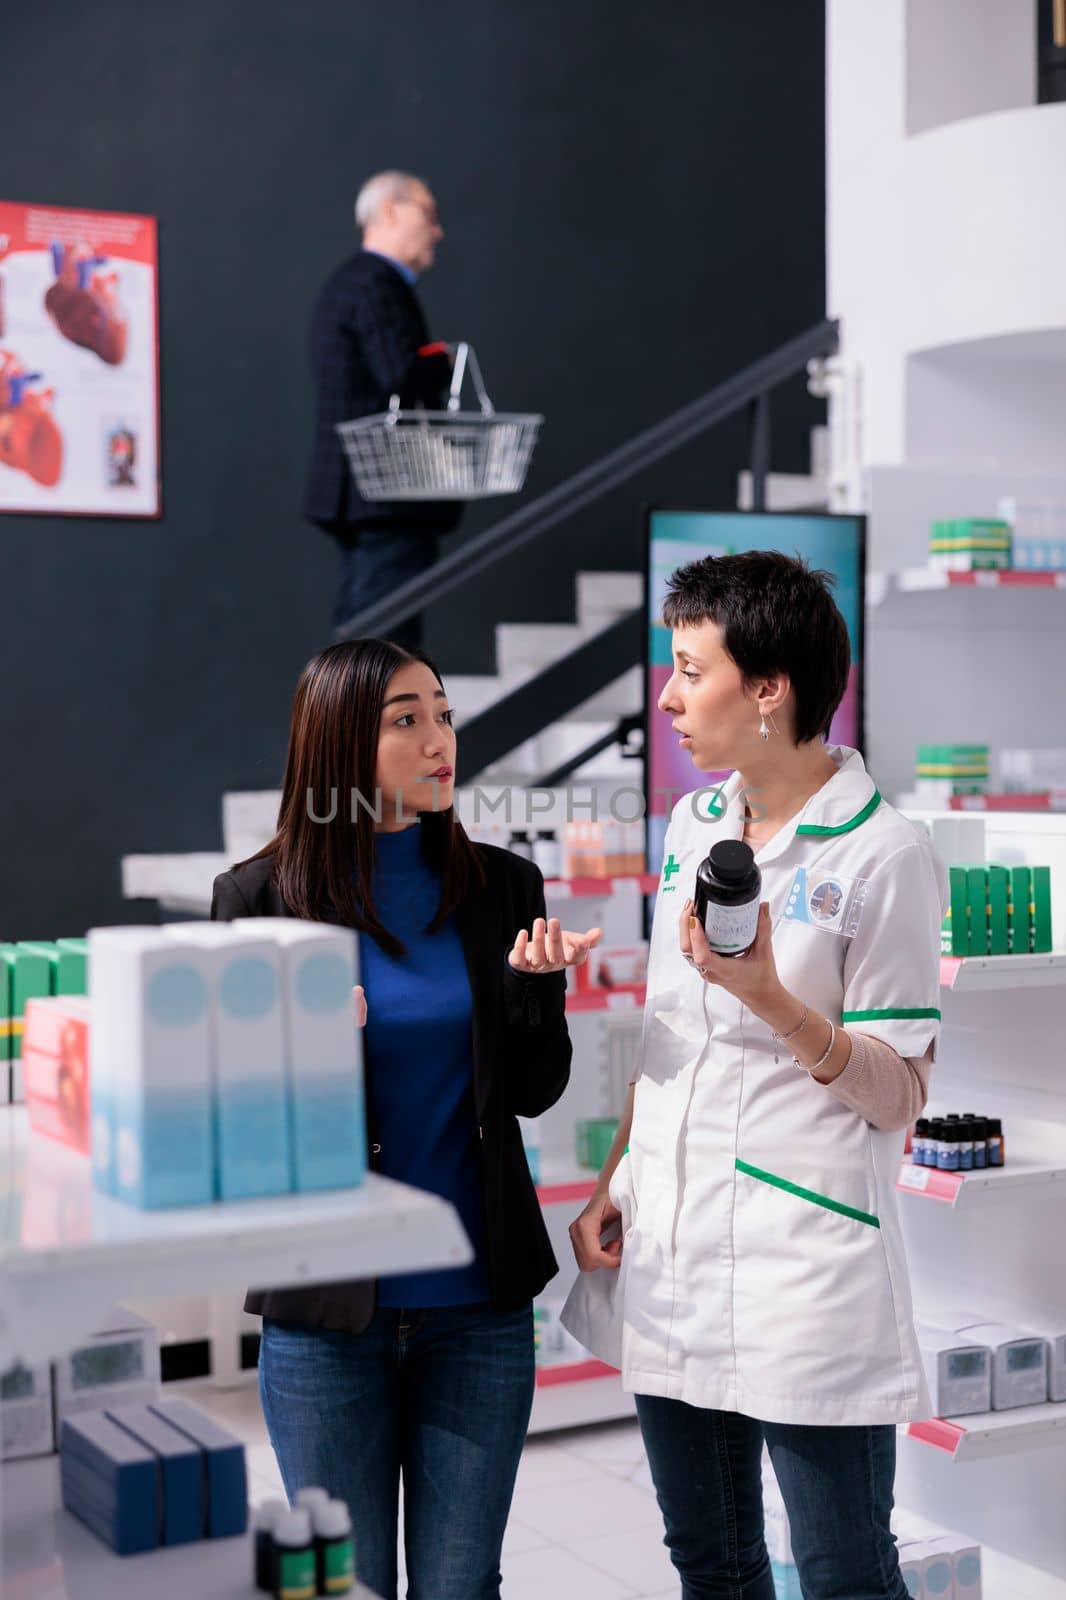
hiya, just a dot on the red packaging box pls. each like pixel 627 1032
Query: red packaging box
pixel 55 1066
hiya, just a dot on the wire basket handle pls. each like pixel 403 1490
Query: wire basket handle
pixel 465 358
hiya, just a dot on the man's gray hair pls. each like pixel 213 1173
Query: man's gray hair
pixel 376 190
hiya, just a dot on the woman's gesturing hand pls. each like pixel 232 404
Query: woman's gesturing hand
pixel 551 948
pixel 359 999
pixel 585 1232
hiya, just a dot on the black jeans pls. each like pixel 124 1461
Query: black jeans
pixel 836 1484
pixel 378 561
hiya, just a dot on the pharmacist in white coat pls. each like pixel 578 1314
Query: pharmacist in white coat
pixel 742 1260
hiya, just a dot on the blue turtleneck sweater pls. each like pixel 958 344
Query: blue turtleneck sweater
pixel 420 1064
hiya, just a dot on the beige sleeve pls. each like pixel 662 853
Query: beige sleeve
pixel 888 1089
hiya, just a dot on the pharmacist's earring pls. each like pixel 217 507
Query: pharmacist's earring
pixel 764 732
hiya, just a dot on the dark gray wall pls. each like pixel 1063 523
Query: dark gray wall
pixel 634 204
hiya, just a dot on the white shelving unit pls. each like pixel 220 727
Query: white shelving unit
pixel 980 974
pixel 995 1433
pixel 67 1252
pixel 968 1189
pixel 47 1555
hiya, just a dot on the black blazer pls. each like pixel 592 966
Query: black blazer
pixel 366 331
pixel 522 1056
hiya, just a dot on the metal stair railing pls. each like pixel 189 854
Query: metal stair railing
pixel 573 679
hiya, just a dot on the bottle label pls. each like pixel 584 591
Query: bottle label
pixel 296 1574
pixel 339 1566
pixel 731 928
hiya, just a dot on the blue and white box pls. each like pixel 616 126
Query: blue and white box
pixel 150 1069
pixel 222 1465
pixel 248 1059
pixel 111 1483
pixel 179 1471
pixel 323 1046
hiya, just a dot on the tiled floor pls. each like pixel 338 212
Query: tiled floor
pixel 584 1522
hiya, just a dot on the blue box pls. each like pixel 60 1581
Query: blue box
pixel 222 1466
pixel 179 1471
pixel 110 1482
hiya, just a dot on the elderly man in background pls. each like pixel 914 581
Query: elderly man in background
pixel 368 342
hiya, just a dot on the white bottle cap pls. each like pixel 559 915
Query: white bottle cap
pixel 309 1498
pixel 267 1514
pixel 332 1520
pixel 293 1529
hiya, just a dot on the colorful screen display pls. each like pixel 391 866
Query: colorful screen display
pixel 833 543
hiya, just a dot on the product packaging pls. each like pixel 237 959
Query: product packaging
pixel 55 1068
pixel 252 1151
pixel 149 1068
pixel 323 1047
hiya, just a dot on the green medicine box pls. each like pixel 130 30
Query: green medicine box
pixel 955 930
pixel 1040 911
pixel 998 919
pixel 7 973
pixel 1020 917
pixel 30 976
pixel 595 1137
pixel 73 971
pixel 977 895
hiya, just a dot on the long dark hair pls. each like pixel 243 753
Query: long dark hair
pixel 323 869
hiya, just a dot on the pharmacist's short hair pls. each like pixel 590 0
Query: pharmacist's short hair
pixel 777 614
pixel 376 190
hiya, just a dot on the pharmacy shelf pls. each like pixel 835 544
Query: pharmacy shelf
pixel 566 1191
pixel 913 580
pixel 995 804
pixel 627 997
pixel 973 974
pixel 586 888
pixel 46 1554
pixel 995 1433
pixel 965 1189
pixel 579 1392
pixel 67 1253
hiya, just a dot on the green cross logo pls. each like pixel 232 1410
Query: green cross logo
pixel 669 869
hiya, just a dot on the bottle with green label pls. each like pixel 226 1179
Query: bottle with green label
pixel 295 1557
pixel 334 1548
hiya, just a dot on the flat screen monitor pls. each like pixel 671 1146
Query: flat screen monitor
pixel 834 543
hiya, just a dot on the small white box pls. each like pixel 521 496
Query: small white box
pixel 1019 1363
pixel 1054 1331
pixel 118 1365
pixel 965 1558
pixel 958 1371
pixel 150 1070
pixel 612 965
pixel 248 1059
pixel 910 1566
pixel 26 1425
pixel 323 1046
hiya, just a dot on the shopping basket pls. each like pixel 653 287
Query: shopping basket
pixel 403 454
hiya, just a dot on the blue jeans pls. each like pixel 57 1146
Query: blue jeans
pixel 836 1484
pixel 442 1396
pixel 379 561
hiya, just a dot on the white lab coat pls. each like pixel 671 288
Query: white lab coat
pixel 763 1268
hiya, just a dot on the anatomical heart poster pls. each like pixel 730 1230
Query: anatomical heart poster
pixel 79 362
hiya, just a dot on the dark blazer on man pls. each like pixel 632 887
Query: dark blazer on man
pixel 366 331
pixel 522 1056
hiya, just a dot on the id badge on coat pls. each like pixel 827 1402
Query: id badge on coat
pixel 826 900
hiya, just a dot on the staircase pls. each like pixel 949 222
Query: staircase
pixel 566 702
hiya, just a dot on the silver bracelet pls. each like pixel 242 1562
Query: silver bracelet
pixel 783 1038
pixel 823 1058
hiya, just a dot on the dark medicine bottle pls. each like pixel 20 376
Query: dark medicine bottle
pixel 728 892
